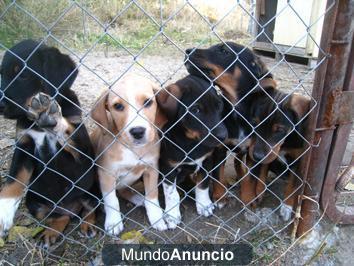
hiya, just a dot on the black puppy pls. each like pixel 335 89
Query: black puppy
pixel 240 74
pixel 279 121
pixel 193 130
pixel 53 157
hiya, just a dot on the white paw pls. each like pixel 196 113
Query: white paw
pixel 172 211
pixel 220 204
pixel 8 207
pixel 205 210
pixel 173 217
pixel 204 204
pixel 286 212
pixel 160 225
pixel 113 223
pixel 155 214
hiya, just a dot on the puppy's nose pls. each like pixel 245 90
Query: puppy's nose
pixel 188 51
pixel 222 135
pixel 137 132
pixel 257 156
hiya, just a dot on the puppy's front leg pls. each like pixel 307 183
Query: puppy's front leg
pixel 203 202
pixel 113 222
pixel 20 172
pixel 152 205
pixel 172 202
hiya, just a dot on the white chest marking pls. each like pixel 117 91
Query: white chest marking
pixel 124 169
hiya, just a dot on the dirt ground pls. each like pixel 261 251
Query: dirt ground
pixel 261 228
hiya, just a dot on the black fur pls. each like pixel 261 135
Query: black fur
pixel 203 102
pixel 59 180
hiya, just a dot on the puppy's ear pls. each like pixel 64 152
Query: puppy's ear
pixel 167 99
pixel 99 111
pixel 261 68
pixel 299 105
pixel 59 69
pixel 160 118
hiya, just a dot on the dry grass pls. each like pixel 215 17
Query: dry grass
pixel 99 25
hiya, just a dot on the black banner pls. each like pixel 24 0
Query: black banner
pixel 177 254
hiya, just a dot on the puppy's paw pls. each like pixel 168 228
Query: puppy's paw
pixel 173 218
pixel 205 209
pixel 286 212
pixel 160 225
pixel 48 238
pixel 114 223
pixel 221 203
pixel 203 202
pixel 44 111
pixel 155 214
pixel 8 207
pixel 87 230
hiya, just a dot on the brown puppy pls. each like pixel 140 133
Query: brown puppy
pixel 126 147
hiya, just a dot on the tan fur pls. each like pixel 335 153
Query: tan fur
pixel 192 134
pixel 268 82
pixel 300 104
pixel 16 188
pixel 228 82
pixel 220 187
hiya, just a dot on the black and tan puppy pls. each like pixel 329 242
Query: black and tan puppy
pixel 239 73
pixel 193 130
pixel 279 122
pixel 53 158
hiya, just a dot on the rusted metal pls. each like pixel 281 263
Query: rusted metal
pixel 330 192
pixel 328 81
pixel 339 109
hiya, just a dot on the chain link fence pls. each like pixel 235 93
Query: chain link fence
pixel 108 39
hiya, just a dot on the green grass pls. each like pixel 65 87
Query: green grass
pixel 132 29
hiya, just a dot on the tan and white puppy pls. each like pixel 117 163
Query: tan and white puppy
pixel 126 147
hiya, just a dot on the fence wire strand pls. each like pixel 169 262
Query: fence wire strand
pixel 241 222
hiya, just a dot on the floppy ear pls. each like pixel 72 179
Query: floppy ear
pixel 99 112
pixel 299 104
pixel 160 118
pixel 268 82
pixel 261 68
pixel 166 99
pixel 57 68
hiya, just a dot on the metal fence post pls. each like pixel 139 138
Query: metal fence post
pixel 336 40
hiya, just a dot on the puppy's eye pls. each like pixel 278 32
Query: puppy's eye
pixel 118 106
pixel 254 122
pixel 280 130
pixel 194 109
pixel 148 103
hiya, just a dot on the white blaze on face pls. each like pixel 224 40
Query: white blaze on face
pixel 133 91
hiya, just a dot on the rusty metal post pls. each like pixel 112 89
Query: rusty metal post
pixel 329 191
pixel 329 79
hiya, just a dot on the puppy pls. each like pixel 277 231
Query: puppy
pixel 127 147
pixel 53 156
pixel 279 122
pixel 193 130
pixel 239 73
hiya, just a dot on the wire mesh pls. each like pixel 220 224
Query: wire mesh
pixel 108 39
